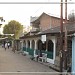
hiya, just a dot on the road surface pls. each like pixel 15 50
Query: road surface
pixel 16 64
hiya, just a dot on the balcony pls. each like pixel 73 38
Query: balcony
pixel 35 30
pixel 35 24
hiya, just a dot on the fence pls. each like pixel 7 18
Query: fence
pixel 31 52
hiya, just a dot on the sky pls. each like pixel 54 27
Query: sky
pixel 21 12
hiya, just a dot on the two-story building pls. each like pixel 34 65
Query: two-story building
pixel 46 26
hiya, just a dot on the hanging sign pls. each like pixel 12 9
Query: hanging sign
pixel 43 38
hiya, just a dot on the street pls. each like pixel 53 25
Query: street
pixel 16 64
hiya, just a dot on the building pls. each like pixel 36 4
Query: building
pixel 46 26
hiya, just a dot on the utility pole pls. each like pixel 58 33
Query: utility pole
pixel 61 37
pixel 65 10
pixel 65 51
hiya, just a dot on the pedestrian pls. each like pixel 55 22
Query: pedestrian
pixel 5 46
pixel 2 45
pixel 8 45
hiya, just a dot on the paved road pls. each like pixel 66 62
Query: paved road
pixel 16 64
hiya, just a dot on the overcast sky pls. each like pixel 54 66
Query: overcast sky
pixel 22 12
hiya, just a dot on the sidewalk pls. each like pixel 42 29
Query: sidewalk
pixel 51 66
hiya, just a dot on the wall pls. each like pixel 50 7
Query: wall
pixel 47 22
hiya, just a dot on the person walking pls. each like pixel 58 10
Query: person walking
pixel 4 43
pixel 5 46
pixel 8 45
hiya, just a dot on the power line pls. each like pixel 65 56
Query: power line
pixel 36 2
pixel 37 10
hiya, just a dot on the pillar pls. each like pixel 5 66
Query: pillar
pixel 30 44
pixel 26 45
pixel 35 47
pixel 46 45
pixel 54 49
pixel 21 43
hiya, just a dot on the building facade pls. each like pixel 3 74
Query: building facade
pixel 49 27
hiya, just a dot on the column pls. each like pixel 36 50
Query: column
pixel 46 45
pixel 35 47
pixel 30 44
pixel 54 52
pixel 21 42
pixel 26 45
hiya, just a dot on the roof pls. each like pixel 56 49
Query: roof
pixel 36 18
pixel 56 30
pixel 33 19
pixel 70 27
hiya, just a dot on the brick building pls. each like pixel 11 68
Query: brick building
pixel 49 26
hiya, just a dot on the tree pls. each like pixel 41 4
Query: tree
pixel 13 27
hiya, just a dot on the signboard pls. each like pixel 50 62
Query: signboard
pixel 43 38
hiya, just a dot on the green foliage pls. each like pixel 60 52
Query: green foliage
pixel 13 27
